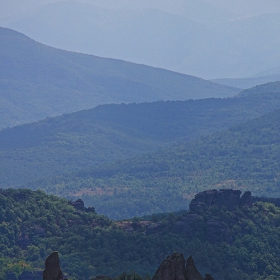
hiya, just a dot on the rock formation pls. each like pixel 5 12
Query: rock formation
pixel 246 199
pixel 79 205
pixel 192 272
pixel 52 268
pixel 228 198
pixel 175 267
pixel 172 268
pixel 215 229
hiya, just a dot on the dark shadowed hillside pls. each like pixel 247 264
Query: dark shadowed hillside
pixel 273 87
pixel 37 81
pixel 110 132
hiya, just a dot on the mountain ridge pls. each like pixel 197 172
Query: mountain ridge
pixel 38 81
pixel 111 132
pixel 232 47
pixel 244 156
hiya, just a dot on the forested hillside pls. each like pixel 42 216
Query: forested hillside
pixel 245 156
pixel 114 165
pixel 241 243
pixel 110 132
pixel 260 89
pixel 37 81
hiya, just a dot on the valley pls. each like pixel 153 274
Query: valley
pixel 120 168
pixel 245 156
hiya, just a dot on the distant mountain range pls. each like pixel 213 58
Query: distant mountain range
pixel 257 91
pixel 87 139
pixel 37 81
pixel 202 39
pixel 138 143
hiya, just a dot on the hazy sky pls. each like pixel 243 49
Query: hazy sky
pixel 205 38
pixel 182 7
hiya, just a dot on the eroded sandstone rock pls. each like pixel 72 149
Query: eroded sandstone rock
pixel 175 267
pixel 79 205
pixel 192 272
pixel 172 268
pixel 227 198
pixel 52 268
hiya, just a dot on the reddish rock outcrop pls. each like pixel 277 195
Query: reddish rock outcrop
pixel 175 267
pixel 79 205
pixel 172 268
pixel 52 268
pixel 228 198
pixel 192 272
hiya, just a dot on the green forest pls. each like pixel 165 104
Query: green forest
pixel 33 224
pixel 112 132
pixel 116 185
pixel 245 156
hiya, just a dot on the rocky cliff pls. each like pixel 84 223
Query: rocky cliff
pixel 175 267
pixel 52 268
pixel 227 198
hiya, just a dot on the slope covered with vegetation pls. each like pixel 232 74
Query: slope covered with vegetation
pixel 261 88
pixel 246 156
pixel 33 224
pixel 111 132
pixel 38 81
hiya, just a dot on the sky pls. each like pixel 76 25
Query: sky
pixel 182 7
pixel 205 38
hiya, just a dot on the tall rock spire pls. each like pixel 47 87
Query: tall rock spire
pixel 52 268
